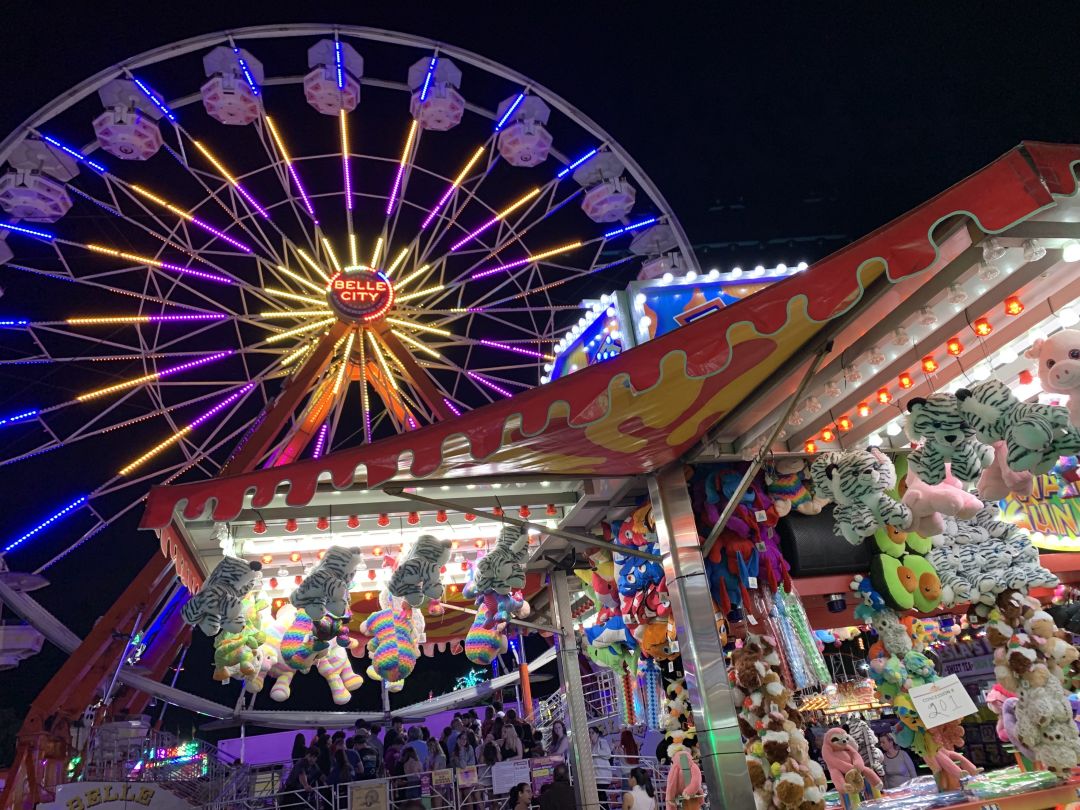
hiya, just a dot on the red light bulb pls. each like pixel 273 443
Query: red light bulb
pixel 810 447
pixel 377 551
pixel 551 511
pixel 465 566
pixel 863 409
pixel 884 397
pixel 497 511
pixel 384 519
pixel 524 512
pixel 322 524
pixel 321 554
pixel 982 327
pixel 929 364
pixel 1026 377
pixel 295 556
pixel 479 542
pixel 470 517
pixel 371 573
pixel 260 527
pixel 954 347
pixel 267 559
pixel 1013 305
pixel 413 518
pixel 454 544
pixel 354 522
pixel 905 380
pixel 440 516
pixel 273 583
pixel 827 435
pixel 291 525
pixel 298 579
pixel 442 569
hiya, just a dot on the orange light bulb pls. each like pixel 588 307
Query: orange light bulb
pixel 884 397
pixel 827 435
pixel 929 364
pixel 295 556
pixel 1013 305
pixel 863 409
pixel 954 347
pixel 844 423
pixel 810 447
pixel 905 380
pixel 982 327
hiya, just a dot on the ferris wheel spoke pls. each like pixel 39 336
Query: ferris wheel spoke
pixel 290 169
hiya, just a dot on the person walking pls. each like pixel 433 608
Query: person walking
pixel 642 794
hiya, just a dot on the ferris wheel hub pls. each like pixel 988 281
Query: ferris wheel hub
pixel 360 295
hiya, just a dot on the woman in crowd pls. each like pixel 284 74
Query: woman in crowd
pixel 520 797
pixel 560 744
pixel 897 763
pixel 642 794
pixel 464 753
pixel 340 771
pixel 299 747
pixel 510 744
pixel 410 769
pixel 601 756
pixel 392 753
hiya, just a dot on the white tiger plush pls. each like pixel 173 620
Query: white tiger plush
pixel 858 482
pixel 326 588
pixel 946 437
pixel 416 578
pixel 1034 435
pixel 218 605
pixel 502 569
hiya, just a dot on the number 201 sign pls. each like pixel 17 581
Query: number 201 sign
pixel 942 701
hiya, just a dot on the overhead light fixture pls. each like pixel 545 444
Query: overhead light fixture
pixel 992 250
pixel 982 327
pixel 1033 250
pixel 1071 251
pixel 1013 305
pixel 988 271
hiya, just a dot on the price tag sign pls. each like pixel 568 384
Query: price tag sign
pixel 751 582
pixel 942 701
pixel 761 515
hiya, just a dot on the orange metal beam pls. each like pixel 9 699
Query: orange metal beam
pixel 418 378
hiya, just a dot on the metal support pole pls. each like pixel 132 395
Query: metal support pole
pixel 526 684
pixel 759 458
pixel 723 763
pixel 581 763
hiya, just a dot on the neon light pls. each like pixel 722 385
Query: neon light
pixel 311 285
pixel 14 323
pixel 190 218
pixel 421 293
pixel 160 265
pixel 346 173
pixel 451 406
pixel 507 347
pixel 75 153
pixel 417 344
pixel 292 356
pixel 121 319
pixel 292 169
pixel 576 163
pixel 412 275
pixel 312 264
pixel 153 451
pixel 28 231
pixel 376 253
pixel 382 361
pixel 299 330
pixel 344 363
pixel 527 260
pixel 306 299
pixel 453 186
pixel 419 326
pixel 320 440
pixel 330 252
pixel 633 227
pixel 340 69
pixel 47 522
pixel 364 393
pixel 498 217
pixel 296 313
pixel 223 404
pixel 19 417
pixel 401 168
pixel 232 181
pixel 510 111
pixel 247 73
pixel 354 250
pixel 427 79
pixel 155 98
pixel 157 375
pixel 484 381
pixel 400 258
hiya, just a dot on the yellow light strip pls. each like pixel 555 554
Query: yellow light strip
pixel 330 252
pixel 411 276
pixel 363 390
pixel 400 258
pixel 344 362
pixel 306 299
pixel 376 253
pixel 420 326
pixel 153 451
pixel 216 163
pixel 299 330
pixel 100 392
pixel 417 344
pixel 419 293
pixel 116 319
pixel 468 167
pixel 312 263
pixel 295 313
pixel 311 285
pixel 382 360
pixel 292 356
pixel 277 140
pixel 516 205
pixel 108 251
pixel 555 251
pixel 354 251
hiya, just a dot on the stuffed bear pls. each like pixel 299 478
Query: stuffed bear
pixel 416 578
pixel 786 483
pixel 218 605
pixel 326 588
pixel 946 438
pixel 1059 367
pixel 1035 435
pixel 858 482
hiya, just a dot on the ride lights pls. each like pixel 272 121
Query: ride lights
pixel 259 527
pixel 295 556
pixel 371 574
pixel 883 396
pixel 844 423
pixel 413 518
pixel 377 551
pixel 321 554
pixel 291 525
pixel 273 583
pixel 384 519
pixel 863 409
pixel 469 517
pixel 905 380
pixel 1013 306
pixel 982 327
pixel 455 545
pixel 954 347
pixel 298 579
pixel 267 559
pixel 929 364
pixel 828 435
pixel 524 512
pixel 551 511
pixel 497 511
pixel 479 542
pixel 465 565
pixel 1026 377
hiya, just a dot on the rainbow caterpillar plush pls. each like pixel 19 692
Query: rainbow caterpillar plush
pixel 297 654
pixel 270 649
pixel 392 649
pixel 484 643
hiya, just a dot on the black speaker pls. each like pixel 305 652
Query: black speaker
pixel 812 549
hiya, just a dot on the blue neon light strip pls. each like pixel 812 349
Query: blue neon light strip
pixel 156 99
pixel 19 417
pixel 13 322
pixel 338 65
pixel 75 153
pixel 28 231
pixel 247 73
pixel 428 78
pixel 633 227
pixel 576 163
pixel 510 111
pixel 71 507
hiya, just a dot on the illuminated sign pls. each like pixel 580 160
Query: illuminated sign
pixel 359 294
pixel 1051 513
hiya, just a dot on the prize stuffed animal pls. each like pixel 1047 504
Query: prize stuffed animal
pixel 1059 367
pixel 858 482
pixel 218 606
pixel 335 667
pixel 483 643
pixel 997 481
pixel 392 649
pixel 788 484
pixel 237 655
pixel 928 502
pixel 326 588
pixel 416 579
pixel 842 757
pixel 1035 435
pixel 684 780
pixel 499 577
pixel 946 439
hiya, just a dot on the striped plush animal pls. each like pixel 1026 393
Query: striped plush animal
pixel 270 649
pixel 238 655
pixel 416 579
pixel 1034 435
pixel 858 482
pixel 218 606
pixel 326 588
pixel 392 650
pixel 338 672
pixel 946 437
pixel 502 569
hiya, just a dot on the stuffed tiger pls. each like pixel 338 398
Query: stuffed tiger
pixel 946 437
pixel 416 579
pixel 1035 435
pixel 502 570
pixel 858 482
pixel 218 606
pixel 326 588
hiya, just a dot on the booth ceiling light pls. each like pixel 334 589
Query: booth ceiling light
pixel 982 327
pixel 955 347
pixel 1071 252
pixel 884 397
pixel 1013 305
pixel 905 380
pixel 1033 251
pixel 863 409
pixel 844 423
pixel 929 364
pixel 992 250
pixel 828 435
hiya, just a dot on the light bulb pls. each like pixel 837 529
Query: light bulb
pixel 832 388
pixel 1033 250
pixel 1071 253
pixel 893 428
pixel 1007 355
pixel 927 316
pixel 714 274
pixel 667 278
pixel 781 268
pixel 639 299
pixel 795 419
pixel 988 271
pixel 874 440
pixel 852 375
pixel 1068 317
pixel 735 272
pixel 875 356
pixel 900 337
pixel 992 250
pixel 691 276
pixel 812 405
pixel 801 266
pixel 957 295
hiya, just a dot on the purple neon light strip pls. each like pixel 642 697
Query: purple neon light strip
pixel 303 192
pixel 225 403
pixel 19 417
pixel 320 440
pixel 506 347
pixel 469 237
pixel 428 78
pixel 195 316
pixel 197 273
pixel 243 192
pixel 28 231
pixel 438 207
pixel 202 361
pixel 396 187
pixel 451 406
pixel 484 381
pixel 501 268
pixel 222 236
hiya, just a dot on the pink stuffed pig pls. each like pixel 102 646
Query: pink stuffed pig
pixel 1059 367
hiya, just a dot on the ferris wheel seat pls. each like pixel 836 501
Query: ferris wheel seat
pixel 525 143
pixel 661 265
pixel 609 201
pixel 230 101
pixel 17 643
pixel 322 92
pixel 33 197
pixel 128 134
pixel 441 110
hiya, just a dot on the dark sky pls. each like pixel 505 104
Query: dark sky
pixel 788 121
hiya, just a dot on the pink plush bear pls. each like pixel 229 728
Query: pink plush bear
pixel 1059 367
pixel 929 502
pixel 841 756
pixel 998 481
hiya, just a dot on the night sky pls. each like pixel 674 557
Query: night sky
pixel 776 135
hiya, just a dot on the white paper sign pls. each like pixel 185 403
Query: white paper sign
pixel 504 775
pixel 942 701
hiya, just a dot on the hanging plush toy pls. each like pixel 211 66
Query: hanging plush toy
pixel 1035 435
pixel 997 481
pixel 842 758
pixel 270 649
pixel 928 502
pixel 326 588
pixel 1059 367
pixel 483 643
pixel 416 579
pixel 218 606
pixel 237 655
pixel 946 438
pixel 858 482
pixel 393 652
pixel 335 667
pixel 297 652
pixel 786 482
pixel 684 780
pixel 499 577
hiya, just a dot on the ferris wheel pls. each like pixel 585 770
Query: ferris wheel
pixel 254 247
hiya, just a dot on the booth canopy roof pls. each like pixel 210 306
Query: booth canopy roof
pixel 646 407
